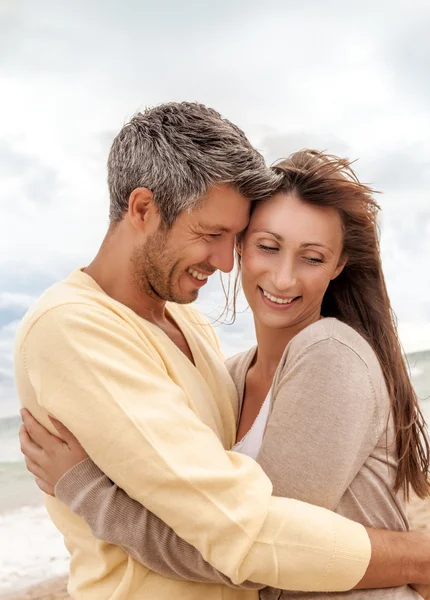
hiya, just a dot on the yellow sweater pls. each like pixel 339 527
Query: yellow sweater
pixel 161 428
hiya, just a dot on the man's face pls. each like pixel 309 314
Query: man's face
pixel 173 264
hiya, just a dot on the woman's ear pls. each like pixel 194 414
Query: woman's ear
pixel 340 266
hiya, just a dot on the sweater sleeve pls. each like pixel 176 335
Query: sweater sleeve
pixel 93 372
pixel 116 518
pixel 327 417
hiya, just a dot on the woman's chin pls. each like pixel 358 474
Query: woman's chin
pixel 273 320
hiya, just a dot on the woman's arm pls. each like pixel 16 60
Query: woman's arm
pixel 324 424
pixel 110 513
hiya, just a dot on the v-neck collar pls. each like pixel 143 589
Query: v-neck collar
pixel 182 325
pixel 173 315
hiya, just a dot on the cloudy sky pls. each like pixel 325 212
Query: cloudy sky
pixel 350 77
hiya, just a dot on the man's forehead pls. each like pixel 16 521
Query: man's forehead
pixel 214 227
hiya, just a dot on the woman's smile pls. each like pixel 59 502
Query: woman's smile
pixel 276 302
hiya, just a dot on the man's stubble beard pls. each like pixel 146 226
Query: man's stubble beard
pixel 155 270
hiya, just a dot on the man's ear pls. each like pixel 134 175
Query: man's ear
pixel 142 212
pixel 340 266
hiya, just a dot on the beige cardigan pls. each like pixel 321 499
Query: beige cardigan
pixel 328 441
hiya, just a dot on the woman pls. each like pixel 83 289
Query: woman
pixel 327 407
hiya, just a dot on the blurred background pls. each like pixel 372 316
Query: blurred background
pixel 352 78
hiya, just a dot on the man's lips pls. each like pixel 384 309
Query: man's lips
pixel 199 275
pixel 199 279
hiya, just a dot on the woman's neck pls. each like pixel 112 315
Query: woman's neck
pixel 272 343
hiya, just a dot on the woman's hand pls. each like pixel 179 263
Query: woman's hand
pixel 47 456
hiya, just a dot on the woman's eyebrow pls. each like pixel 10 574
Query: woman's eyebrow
pixel 280 238
pixel 275 235
pixel 307 244
pixel 318 244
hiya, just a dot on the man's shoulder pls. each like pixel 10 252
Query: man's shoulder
pixel 65 303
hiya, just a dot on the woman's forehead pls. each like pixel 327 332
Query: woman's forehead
pixel 286 216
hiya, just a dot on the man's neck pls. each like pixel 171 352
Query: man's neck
pixel 117 284
pixel 112 272
pixel 111 269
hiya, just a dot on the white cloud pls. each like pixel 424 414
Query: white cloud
pixel 350 79
pixel 415 337
pixel 12 300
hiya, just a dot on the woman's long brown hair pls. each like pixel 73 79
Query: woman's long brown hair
pixel 358 296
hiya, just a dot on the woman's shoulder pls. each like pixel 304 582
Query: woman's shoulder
pixel 332 351
pixel 332 332
pixel 330 342
pixel 238 366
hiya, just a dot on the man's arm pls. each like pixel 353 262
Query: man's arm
pixel 118 519
pixel 398 558
pixel 96 374
pixel 64 470
pixel 63 467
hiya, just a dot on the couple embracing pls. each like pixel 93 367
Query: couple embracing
pixel 282 472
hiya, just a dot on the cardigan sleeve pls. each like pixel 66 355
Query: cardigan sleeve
pixel 324 424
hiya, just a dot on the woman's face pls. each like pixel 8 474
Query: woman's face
pixel 290 253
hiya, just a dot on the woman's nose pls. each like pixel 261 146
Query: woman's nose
pixel 284 277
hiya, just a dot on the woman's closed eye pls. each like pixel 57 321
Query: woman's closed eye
pixel 313 260
pixel 266 248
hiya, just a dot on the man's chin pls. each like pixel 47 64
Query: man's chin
pixel 191 297
pixel 184 297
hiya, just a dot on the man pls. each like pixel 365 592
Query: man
pixel 115 353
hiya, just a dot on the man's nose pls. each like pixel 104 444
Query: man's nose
pixel 222 257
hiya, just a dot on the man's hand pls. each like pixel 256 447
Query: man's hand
pixel 47 456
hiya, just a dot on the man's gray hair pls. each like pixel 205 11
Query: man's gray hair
pixel 178 151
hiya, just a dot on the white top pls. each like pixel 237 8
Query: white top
pixel 250 444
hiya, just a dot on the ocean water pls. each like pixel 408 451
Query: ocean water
pixel 31 549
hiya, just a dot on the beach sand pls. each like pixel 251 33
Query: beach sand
pixel 55 589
